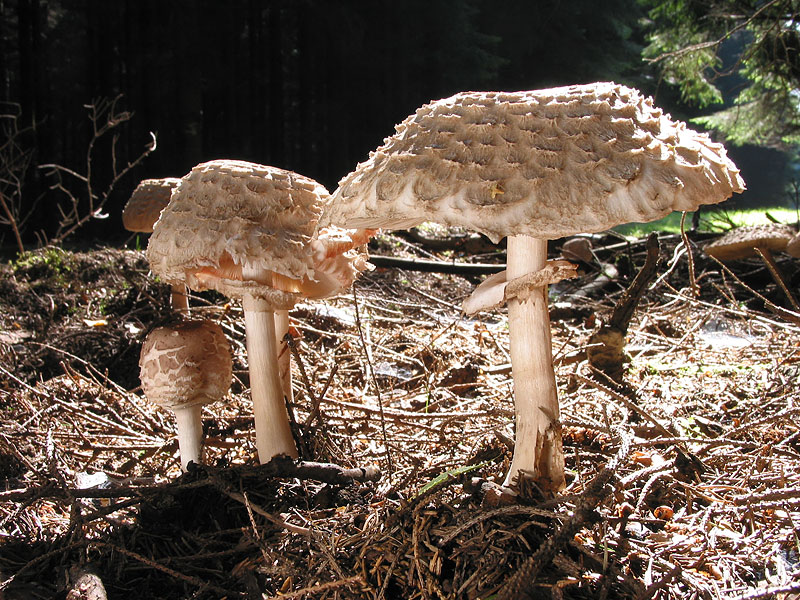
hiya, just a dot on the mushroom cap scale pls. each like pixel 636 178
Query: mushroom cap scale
pixel 186 364
pixel 227 214
pixel 741 242
pixel 546 163
pixel 146 203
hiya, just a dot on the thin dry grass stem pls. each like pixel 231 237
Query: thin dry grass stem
pixel 766 256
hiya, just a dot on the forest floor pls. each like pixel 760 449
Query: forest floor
pixel 683 482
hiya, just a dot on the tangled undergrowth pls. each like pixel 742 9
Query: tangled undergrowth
pixel 684 482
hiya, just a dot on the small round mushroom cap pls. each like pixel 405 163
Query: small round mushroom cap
pixel 228 214
pixel 741 242
pixel 547 163
pixel 186 364
pixel 146 203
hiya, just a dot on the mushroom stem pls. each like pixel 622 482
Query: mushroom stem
pixel 273 433
pixel 190 434
pixel 538 452
pixel 284 355
pixel 180 298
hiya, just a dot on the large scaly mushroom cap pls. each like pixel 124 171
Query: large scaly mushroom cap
pixel 226 214
pixel 146 203
pixel 186 364
pixel 546 163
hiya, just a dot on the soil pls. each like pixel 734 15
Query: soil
pixel 683 476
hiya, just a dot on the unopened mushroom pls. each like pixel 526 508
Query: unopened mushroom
pixel 250 231
pixel 757 241
pixel 534 166
pixel 183 367
pixel 142 211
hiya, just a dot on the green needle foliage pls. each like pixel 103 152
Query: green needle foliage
pixel 761 84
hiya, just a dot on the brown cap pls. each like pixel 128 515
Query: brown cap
pixel 185 364
pixel 146 203
pixel 741 242
pixel 547 163
pixel 227 214
pixel 793 247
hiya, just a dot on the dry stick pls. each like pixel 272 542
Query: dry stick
pixel 195 581
pixel 374 382
pixel 4 584
pixel 260 511
pixel 490 514
pixel 322 587
pixel 13 222
pixel 628 404
pixel 520 585
pixel 280 466
pixel 789 315
pixel 772 267
pixel 772 592
pixel 316 400
pixel 435 266
pixel 608 341
pixel 654 587
pixel 254 527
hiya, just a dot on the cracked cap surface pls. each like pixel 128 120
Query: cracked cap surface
pixel 185 364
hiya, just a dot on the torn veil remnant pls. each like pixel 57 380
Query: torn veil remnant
pixel 250 231
pixel 183 367
pixel 534 166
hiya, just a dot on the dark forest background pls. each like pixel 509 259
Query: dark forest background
pixel 306 85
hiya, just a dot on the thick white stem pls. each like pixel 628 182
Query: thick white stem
pixel 538 450
pixel 190 434
pixel 284 354
pixel 180 298
pixel 273 433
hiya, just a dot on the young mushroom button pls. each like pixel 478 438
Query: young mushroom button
pixel 533 166
pixel 182 367
pixel 250 232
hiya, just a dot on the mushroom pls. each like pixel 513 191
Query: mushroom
pixel 146 203
pixel 761 241
pixel 250 231
pixel 793 246
pixel 142 211
pixel 184 366
pixel 534 166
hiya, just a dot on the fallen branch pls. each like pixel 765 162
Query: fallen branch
pixel 435 266
pixel 203 475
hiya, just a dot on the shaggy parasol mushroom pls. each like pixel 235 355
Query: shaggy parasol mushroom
pixel 142 211
pixel 757 241
pixel 250 231
pixel 534 166
pixel 183 367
